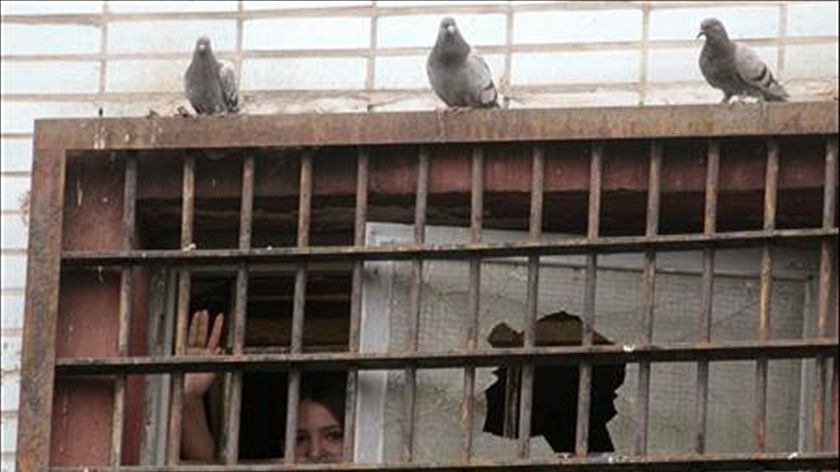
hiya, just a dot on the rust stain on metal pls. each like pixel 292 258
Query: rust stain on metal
pixel 569 355
pixel 41 307
pixel 670 242
pixel 609 462
pixel 396 137
pixel 424 127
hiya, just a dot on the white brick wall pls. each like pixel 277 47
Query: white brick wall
pixel 741 22
pixel 26 39
pixel 156 36
pixel 44 77
pixel 578 26
pixel 298 33
pixel 68 59
pixel 421 30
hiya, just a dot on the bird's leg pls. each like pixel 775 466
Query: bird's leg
pixel 728 101
pixel 726 98
pixel 739 100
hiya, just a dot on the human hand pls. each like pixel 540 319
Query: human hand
pixel 196 384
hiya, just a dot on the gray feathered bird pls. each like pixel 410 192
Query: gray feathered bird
pixel 459 76
pixel 210 85
pixel 734 68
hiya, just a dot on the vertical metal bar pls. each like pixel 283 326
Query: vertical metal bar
pixel 473 298
pixel 588 324
pixel 125 310
pixel 531 299
pixel 234 392
pixel 705 325
pixel 176 397
pixel 510 424
pixel 765 290
pixel 299 304
pixel 825 285
pixel 648 293
pixel 362 165
pixel 247 206
pixel 41 311
pixel 410 389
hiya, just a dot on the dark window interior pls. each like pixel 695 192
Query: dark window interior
pixel 264 394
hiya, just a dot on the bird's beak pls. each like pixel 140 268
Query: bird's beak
pixel 202 47
pixel 702 33
pixel 450 29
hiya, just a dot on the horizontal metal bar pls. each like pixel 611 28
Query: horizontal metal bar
pixel 672 242
pixel 430 127
pixel 607 462
pixel 567 355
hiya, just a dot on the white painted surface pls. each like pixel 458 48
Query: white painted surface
pixel 15 154
pixel 304 73
pixel 578 26
pixel 21 38
pixel 307 33
pixel 170 35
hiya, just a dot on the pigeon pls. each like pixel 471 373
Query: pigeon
pixel 734 68
pixel 210 85
pixel 459 76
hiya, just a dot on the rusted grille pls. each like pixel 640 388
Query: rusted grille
pixel 532 130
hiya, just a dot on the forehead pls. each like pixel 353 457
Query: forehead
pixel 314 416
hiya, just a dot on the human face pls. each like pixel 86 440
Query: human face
pixel 320 437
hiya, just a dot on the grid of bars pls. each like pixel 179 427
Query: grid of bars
pixel 469 358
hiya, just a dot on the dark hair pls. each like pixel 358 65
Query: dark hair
pixel 326 388
pixel 264 408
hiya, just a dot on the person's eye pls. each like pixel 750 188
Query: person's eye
pixel 335 435
pixel 301 438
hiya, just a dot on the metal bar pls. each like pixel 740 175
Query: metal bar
pixel 588 321
pixel 512 385
pixel 41 307
pixel 125 309
pixel 234 393
pixel 565 355
pixel 531 299
pixel 410 388
pixel 648 292
pixel 188 202
pixel 473 299
pixel 701 399
pixel 354 337
pixel 765 291
pixel 425 127
pixel 246 210
pixel 602 245
pixel 182 320
pixel 298 305
pixel 661 463
pixel 827 259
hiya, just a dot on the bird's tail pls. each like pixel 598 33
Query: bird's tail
pixel 774 91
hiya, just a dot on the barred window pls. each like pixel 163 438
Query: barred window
pixel 591 289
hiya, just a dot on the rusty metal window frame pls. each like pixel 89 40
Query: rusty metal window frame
pixel 54 138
